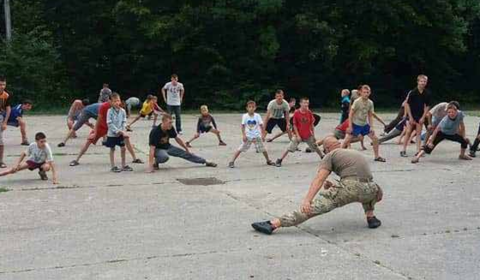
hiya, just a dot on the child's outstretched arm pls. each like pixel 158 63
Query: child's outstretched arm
pixel 54 173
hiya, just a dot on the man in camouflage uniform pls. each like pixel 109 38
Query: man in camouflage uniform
pixel 355 185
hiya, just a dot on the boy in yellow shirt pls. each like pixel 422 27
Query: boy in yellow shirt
pixel 149 106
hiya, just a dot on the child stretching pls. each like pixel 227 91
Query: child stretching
pixel 149 106
pixel 206 123
pixel 451 128
pixel 361 121
pixel 16 119
pixel 304 131
pixel 116 120
pixel 39 157
pixel 252 132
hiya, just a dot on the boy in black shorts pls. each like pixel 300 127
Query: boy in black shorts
pixel 417 107
pixel 116 121
pixel 206 123
pixel 278 115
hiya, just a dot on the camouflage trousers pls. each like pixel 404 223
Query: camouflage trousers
pixel 345 192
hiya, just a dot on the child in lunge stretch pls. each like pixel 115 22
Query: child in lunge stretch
pixel 39 157
pixel 451 128
pixel 149 106
pixel 206 123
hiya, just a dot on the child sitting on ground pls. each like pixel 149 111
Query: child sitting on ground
pixel 150 106
pixel 206 123
pixel 39 157
pixel 252 133
pixel 116 120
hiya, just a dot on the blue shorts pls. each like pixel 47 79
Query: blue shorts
pixel 115 141
pixel 361 130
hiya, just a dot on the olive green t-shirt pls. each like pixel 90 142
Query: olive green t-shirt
pixel 346 163
pixel 361 108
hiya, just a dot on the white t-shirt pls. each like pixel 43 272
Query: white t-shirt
pixel 252 125
pixel 173 93
pixel 38 155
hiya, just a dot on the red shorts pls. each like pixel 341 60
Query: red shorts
pixel 34 165
pixel 93 137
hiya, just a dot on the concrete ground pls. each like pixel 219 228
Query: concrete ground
pixel 100 225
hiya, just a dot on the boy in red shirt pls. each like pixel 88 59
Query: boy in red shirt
pixel 304 129
pixel 99 131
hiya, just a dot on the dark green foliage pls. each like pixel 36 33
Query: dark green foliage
pixel 229 51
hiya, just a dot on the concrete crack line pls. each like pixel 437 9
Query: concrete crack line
pixel 115 261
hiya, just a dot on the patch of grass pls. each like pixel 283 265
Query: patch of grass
pixel 2 190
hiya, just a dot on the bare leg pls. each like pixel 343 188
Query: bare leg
pixel 122 154
pixel 265 154
pixel 406 140
pixel 376 145
pixel 236 155
pixel 112 157
pixel 23 129
pixel 193 138
pixel 83 150
pixel 2 149
pixel 347 141
pixel 134 121
pixel 129 147
pixel 419 137
pixel 23 166
pixel 277 136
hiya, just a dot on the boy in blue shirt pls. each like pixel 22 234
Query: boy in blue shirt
pixel 16 119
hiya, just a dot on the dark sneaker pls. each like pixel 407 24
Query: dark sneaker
pixel 278 163
pixel 472 153
pixel 271 163
pixel 115 169
pixel 308 150
pixel 373 222
pixel 403 154
pixel 263 227
pixel 129 129
pixel 61 145
pixel 231 164
pixel 127 168
pixel 221 143
pixel 43 175
pixel 210 164
pixel 139 161
pixel 156 166
pixel 74 163
pixel 25 143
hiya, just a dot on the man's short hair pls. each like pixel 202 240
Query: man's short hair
pixel 40 136
pixel 279 91
pixel 27 102
pixel 3 78
pixel 86 102
pixel 114 95
pixel 362 87
pixel 174 76
pixel 251 102
pixel 454 103
pixel 304 99
pixel 422 76
pixel 292 99
pixel 166 117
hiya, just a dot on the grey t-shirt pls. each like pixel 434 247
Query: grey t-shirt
pixel 449 126
pixel 346 163
pixel 38 155
pixel 278 110
pixel 439 111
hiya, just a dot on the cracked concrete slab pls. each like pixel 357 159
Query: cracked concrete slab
pixel 100 225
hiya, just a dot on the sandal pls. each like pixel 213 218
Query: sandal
pixel 127 168
pixel 3 165
pixel 115 169
pixel 74 163
pixel 415 160
pixel 139 161
pixel 380 159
